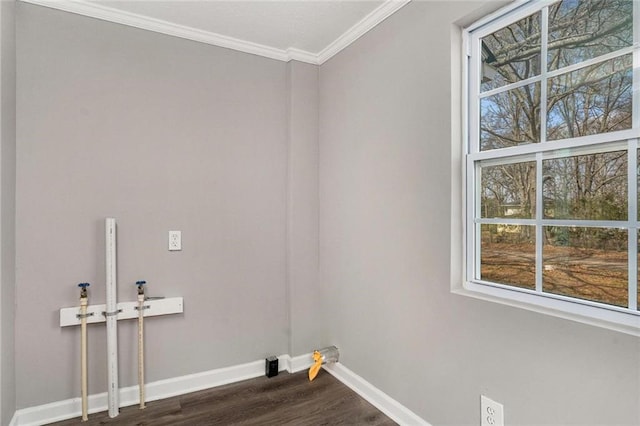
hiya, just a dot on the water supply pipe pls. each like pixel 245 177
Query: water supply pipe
pixel 141 309
pixel 83 348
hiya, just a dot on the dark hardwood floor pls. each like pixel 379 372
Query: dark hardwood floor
pixel 287 399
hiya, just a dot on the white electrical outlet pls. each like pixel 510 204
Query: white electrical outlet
pixel 491 412
pixel 175 240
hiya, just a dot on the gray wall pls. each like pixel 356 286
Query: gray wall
pixel 385 240
pixel 305 293
pixel 160 133
pixel 164 133
pixel 7 208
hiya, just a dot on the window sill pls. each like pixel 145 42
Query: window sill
pixel 609 319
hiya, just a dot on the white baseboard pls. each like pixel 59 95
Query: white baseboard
pixel 70 408
pixel 299 363
pixel 383 402
pixel 161 389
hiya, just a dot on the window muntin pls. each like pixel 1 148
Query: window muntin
pixel 553 126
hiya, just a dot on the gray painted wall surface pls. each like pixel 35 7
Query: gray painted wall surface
pixel 7 209
pixel 160 133
pixel 305 297
pixel 105 111
pixel 385 207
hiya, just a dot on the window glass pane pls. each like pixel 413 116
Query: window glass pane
pixel 511 54
pixel 589 187
pixel 508 255
pixel 577 247
pixel 581 30
pixel 509 191
pixel 586 263
pixel 510 118
pixel 591 100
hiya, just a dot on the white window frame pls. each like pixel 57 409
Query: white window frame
pixel 624 320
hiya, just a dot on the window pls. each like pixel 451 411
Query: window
pixel 552 160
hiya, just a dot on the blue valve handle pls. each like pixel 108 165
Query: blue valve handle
pixel 141 282
pixel 83 290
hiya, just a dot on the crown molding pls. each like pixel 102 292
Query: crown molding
pixel 105 13
pixel 382 12
pixel 98 11
pixel 294 54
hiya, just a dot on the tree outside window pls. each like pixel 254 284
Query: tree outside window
pixel 553 152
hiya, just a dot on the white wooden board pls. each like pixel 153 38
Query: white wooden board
pixel 169 305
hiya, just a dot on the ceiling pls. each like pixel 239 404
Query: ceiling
pixel 306 30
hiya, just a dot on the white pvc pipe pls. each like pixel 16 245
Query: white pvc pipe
pixel 111 318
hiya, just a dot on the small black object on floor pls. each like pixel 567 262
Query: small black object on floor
pixel 271 366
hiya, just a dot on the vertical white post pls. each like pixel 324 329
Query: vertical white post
pixel 111 318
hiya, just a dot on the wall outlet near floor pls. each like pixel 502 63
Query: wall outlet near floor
pixel 175 240
pixel 491 412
